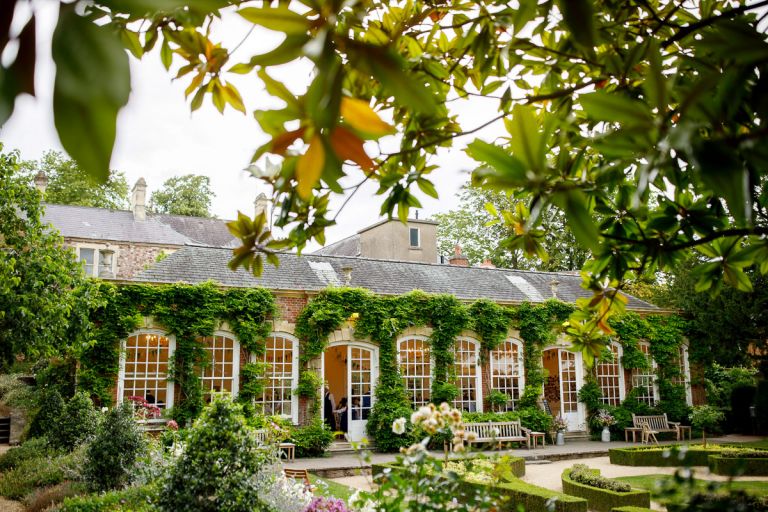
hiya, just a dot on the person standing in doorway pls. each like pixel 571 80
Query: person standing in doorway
pixel 328 403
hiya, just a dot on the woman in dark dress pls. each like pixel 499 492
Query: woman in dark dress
pixel 342 409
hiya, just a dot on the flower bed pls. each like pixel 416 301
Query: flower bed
pixel 512 491
pixel 694 455
pixel 743 463
pixel 603 494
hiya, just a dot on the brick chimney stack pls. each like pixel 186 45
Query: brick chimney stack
pixel 487 263
pixel 458 259
pixel 138 200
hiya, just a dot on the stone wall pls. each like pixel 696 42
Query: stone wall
pixel 133 258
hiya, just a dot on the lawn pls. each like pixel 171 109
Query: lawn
pixel 657 483
pixel 331 489
pixel 761 444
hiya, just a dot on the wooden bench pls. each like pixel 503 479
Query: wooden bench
pixel 289 449
pixel 499 432
pixel 657 423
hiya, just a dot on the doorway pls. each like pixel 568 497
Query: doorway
pixel 350 371
pixel 564 378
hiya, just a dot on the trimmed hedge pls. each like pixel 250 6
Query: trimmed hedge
pixel 656 456
pixel 632 509
pixel 516 493
pixel 738 466
pixel 604 500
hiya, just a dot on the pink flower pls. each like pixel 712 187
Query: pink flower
pixel 172 425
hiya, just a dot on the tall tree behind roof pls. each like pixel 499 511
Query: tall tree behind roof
pixel 68 183
pixel 184 195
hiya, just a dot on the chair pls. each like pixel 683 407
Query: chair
pixel 299 474
pixel 648 434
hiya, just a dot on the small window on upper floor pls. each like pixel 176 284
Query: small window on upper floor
pixel 87 257
pixel 97 261
pixel 415 237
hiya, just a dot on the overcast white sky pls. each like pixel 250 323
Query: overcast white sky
pixel 158 137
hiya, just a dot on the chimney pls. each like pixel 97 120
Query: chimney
pixel 41 182
pixel 138 197
pixel 553 286
pixel 347 271
pixel 458 259
pixel 487 263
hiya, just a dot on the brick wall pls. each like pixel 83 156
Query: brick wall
pixel 289 307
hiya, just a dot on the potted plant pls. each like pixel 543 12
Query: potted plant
pixel 605 420
pixel 559 425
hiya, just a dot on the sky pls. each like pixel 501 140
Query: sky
pixel 158 137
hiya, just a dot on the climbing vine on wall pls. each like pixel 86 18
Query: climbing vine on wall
pixel 188 312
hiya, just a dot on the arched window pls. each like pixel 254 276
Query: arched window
pixel 609 377
pixel 644 379
pixel 416 369
pixel 144 369
pixel 684 377
pixel 281 356
pixel 507 370
pixel 467 375
pixel 220 373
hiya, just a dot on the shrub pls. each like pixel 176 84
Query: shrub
pixel 444 392
pixel 497 399
pixel 602 493
pixel 761 405
pixel 730 463
pixel 734 501
pixel 133 499
pixel 38 472
pixel 590 394
pixel 311 440
pixel 31 449
pixel 77 424
pixel 217 468
pixel 112 454
pixel 49 411
pixel 693 455
pixel 14 392
pixel 530 417
pixel 43 499
pixel 706 417
pixel 389 406
pixel 56 373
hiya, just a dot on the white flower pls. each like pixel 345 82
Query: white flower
pixel 104 409
pixel 398 426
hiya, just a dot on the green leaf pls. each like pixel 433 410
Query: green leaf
pixel 166 55
pixel 527 143
pixel 655 85
pixel 573 203
pixel 279 19
pixel 92 84
pixel 131 41
pixel 579 17
pixel 278 89
pixel 288 50
pixel 736 277
pixel 723 172
pixel 511 167
pixel 149 7
pixel 604 106
pixel 427 187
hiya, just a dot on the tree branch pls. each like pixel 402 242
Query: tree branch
pixel 689 29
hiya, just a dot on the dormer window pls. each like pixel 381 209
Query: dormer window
pixel 415 238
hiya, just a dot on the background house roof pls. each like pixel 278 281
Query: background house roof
pixel 119 225
pixel 312 273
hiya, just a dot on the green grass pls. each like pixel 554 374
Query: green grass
pixel 761 445
pixel 657 483
pixel 331 489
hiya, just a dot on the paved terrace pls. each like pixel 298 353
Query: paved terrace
pixel 349 464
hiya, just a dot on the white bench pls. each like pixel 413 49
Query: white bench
pixel 500 431
pixel 289 449
pixel 657 423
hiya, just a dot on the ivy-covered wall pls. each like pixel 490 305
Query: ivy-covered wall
pixel 188 312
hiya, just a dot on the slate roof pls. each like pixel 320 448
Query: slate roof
pixel 119 225
pixel 312 273
pixel 349 246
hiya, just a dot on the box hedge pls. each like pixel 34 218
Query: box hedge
pixel 604 500
pixel 738 466
pixel 516 493
pixel 661 456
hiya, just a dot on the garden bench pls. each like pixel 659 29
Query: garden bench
pixel 289 449
pixel 657 423
pixel 301 475
pixel 500 431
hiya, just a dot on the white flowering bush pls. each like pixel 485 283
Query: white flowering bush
pixel 281 494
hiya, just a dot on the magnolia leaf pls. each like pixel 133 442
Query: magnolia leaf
pixel 509 166
pixel 526 142
pixel 612 107
pixel 573 203
pixel 310 167
pixel 279 19
pixel 360 116
pixel 578 16
pixel 92 84
pixel 348 146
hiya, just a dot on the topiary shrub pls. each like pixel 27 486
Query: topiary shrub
pixel 46 419
pixel 218 466
pixel 112 454
pixel 706 417
pixel 77 424
pixel 311 440
pixel 582 474
pixel 603 494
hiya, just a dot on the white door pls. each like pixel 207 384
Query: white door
pixel 570 382
pixel 361 376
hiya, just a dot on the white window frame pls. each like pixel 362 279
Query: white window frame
pixel 685 369
pixel 97 248
pixel 121 373
pixel 410 392
pixel 294 416
pixel 651 373
pixel 478 374
pixel 235 363
pixel 418 237
pixel 620 374
pixel 518 372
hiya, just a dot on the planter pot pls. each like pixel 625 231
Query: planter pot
pixel 560 439
pixel 606 435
